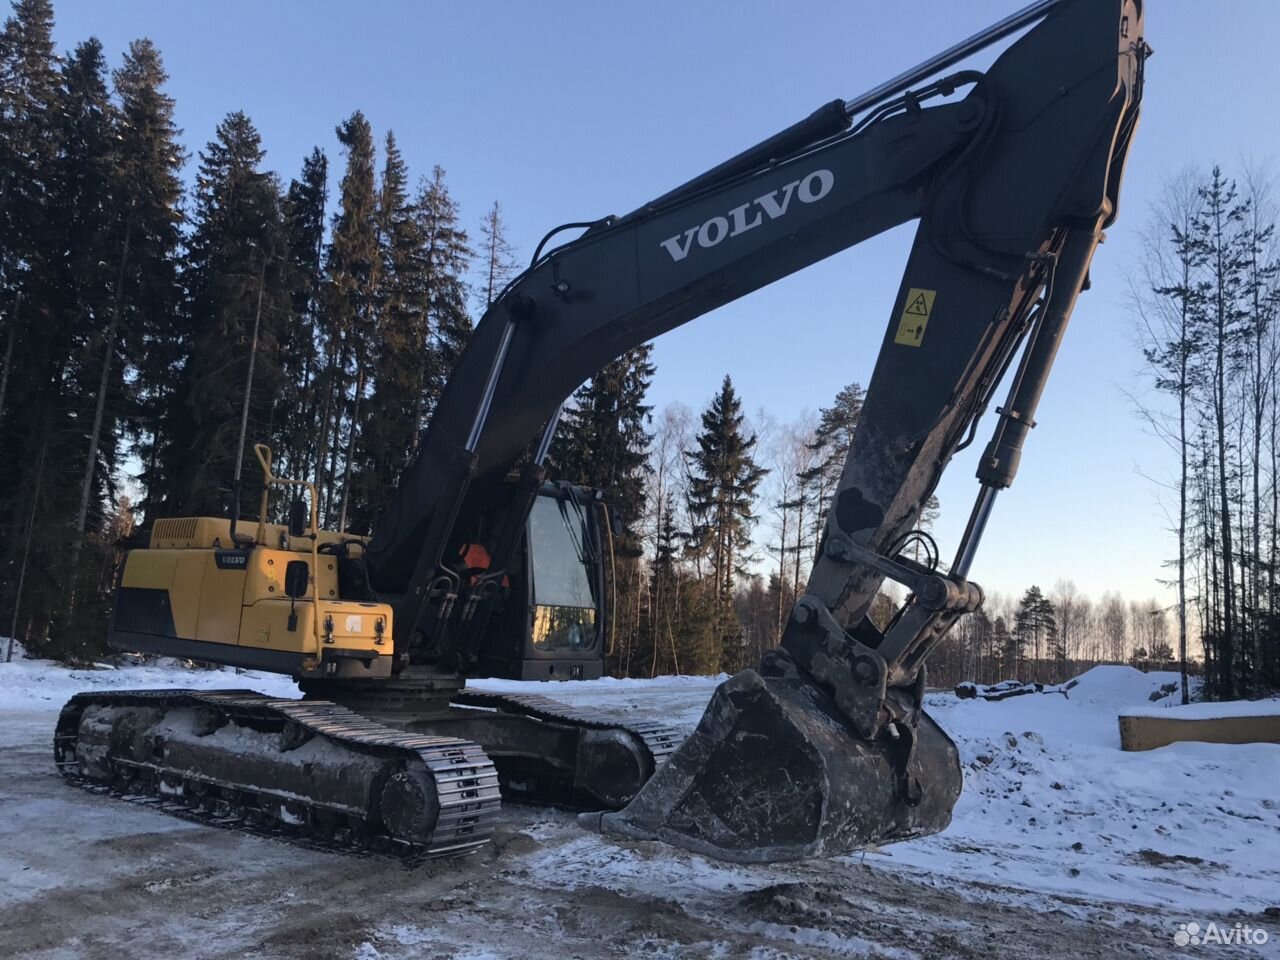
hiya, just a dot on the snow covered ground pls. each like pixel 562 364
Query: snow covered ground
pixel 1062 845
pixel 1051 805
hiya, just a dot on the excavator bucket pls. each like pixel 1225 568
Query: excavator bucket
pixel 773 773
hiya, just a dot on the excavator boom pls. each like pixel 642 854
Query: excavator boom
pixel 827 747
pixel 996 180
pixel 1008 228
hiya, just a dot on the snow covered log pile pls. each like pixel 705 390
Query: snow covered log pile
pixel 968 690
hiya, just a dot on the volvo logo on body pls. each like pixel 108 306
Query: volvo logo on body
pixel 808 189
pixel 231 559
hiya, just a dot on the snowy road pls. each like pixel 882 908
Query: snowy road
pixel 99 878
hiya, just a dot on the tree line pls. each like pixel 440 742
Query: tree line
pixel 680 609
pixel 152 333
pixel 1207 298
pixel 1051 636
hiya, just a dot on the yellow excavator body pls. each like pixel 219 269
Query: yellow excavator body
pixel 192 594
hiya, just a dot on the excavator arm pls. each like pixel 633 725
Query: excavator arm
pixel 1012 173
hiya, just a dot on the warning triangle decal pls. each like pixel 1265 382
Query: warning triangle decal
pixel 918 307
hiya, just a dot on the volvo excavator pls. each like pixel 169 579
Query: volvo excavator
pixel 1012 174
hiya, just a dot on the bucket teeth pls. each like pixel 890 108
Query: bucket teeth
pixel 773 773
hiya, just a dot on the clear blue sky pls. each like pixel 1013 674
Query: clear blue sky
pixel 571 110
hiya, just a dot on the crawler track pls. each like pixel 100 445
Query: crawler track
pixel 661 739
pixel 464 807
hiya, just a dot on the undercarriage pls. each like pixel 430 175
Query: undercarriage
pixel 415 768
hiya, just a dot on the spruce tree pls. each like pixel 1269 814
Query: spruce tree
pixel 234 276
pixel 447 255
pixel 603 440
pixel 152 323
pixel 723 478
pixel 351 265
pixel 34 388
pixel 1035 629
pixel 30 91
pixel 832 438
pixel 93 217
pixel 300 346
pixel 30 255
pixel 389 431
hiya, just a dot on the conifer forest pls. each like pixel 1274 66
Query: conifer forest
pixel 161 312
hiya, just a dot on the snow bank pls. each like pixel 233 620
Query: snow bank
pixel 1051 804
pixel 46 685
pixel 678 701
pixel 1206 711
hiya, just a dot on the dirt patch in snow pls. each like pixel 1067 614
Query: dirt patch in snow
pixel 1158 859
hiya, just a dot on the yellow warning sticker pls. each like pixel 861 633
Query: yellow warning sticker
pixel 915 317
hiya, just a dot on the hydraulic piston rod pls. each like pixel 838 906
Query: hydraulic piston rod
pixel 952 55
pixel 968 548
pixel 999 461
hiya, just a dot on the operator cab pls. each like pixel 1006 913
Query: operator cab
pixel 553 625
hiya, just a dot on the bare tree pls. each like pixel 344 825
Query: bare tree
pixel 1168 301
pixel 1070 604
pixel 499 255
pixel 666 489
pixel 790 456
pixel 1114 627
pixel 1140 626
